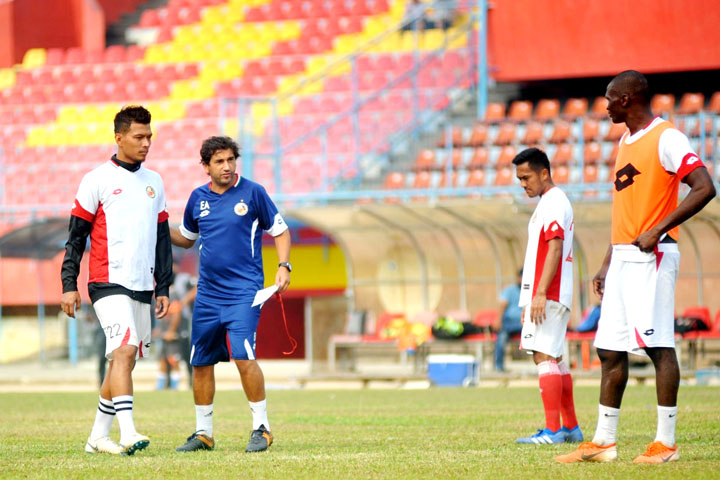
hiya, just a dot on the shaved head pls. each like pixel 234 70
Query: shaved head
pixel 633 84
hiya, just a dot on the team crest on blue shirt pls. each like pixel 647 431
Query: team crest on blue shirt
pixel 150 191
pixel 241 208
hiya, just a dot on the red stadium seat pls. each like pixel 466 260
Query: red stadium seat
pixel 714 103
pixel 425 160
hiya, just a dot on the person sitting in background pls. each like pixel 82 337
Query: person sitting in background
pixel 590 322
pixel 442 15
pixel 415 18
pixel 509 313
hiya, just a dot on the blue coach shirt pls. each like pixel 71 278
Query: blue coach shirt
pixel 230 227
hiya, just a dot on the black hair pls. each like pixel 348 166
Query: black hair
pixel 213 144
pixel 131 114
pixel 634 84
pixel 535 157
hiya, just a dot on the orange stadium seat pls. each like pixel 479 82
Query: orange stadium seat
pixel 495 112
pixel 425 160
pixel 479 135
pixel 561 132
pixel 575 108
pixel 591 129
pixel 592 153
pixel 590 174
pixel 423 179
pixel 547 109
pixel 599 107
pixel 714 103
pixel 563 154
pixel 476 178
pixel 615 131
pixel 663 104
pixel 505 134
pixel 561 174
pixel 504 176
pixel 691 103
pixel 507 154
pixel 520 110
pixel 457 158
pixel 533 133
pixel 480 158
pixel 457 138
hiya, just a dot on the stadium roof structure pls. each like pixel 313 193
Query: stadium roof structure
pixel 40 240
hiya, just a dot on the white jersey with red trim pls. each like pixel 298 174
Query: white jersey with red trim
pixel 124 208
pixel 553 218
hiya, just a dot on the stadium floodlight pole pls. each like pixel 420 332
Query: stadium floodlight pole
pixel 482 68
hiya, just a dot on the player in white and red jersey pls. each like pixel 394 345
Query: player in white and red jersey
pixel 637 279
pixel 121 206
pixel 546 296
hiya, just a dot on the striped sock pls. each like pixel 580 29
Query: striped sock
pixel 103 419
pixel 123 408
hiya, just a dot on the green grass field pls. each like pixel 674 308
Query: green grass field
pixel 436 433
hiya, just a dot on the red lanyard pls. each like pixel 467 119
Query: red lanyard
pixel 293 342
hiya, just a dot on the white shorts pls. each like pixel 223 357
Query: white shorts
pixel 549 336
pixel 638 305
pixel 125 322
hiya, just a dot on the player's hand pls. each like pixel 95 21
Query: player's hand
pixel 647 241
pixel 161 306
pixel 70 303
pixel 522 316
pixel 598 283
pixel 537 308
pixel 282 279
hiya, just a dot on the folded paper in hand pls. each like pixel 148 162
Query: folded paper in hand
pixel 263 295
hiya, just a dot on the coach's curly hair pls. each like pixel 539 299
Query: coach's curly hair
pixel 213 144
pixel 130 114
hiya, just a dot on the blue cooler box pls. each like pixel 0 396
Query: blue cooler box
pixel 452 370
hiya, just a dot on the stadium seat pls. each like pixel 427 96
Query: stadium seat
pixel 505 134
pixel 476 178
pixel 575 108
pixel 591 129
pixel 520 111
pixel 547 109
pixel 663 104
pixel 479 135
pixel 563 155
pixel 691 103
pixel 561 174
pixel 425 160
pixel 506 156
pixel 480 158
pixel 504 176
pixel 590 173
pixel 534 132
pixel 486 319
pixel 561 132
pixel 592 153
pixel 615 132
pixel 495 112
pixel 714 103
pixel 599 107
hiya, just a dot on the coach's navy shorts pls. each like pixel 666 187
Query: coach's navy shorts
pixel 222 332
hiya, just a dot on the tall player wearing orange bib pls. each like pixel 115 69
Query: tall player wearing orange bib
pixel 637 279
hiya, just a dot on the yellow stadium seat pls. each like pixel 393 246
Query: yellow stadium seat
pixel 7 78
pixel 70 114
pixel 36 136
pixel 218 70
pixel 35 57
pixel 213 15
pixel 230 127
pixel 346 43
pixel 167 110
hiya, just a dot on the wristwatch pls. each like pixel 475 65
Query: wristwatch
pixel 286 265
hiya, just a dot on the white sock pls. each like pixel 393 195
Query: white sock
pixel 103 419
pixel 204 419
pixel 667 416
pixel 259 414
pixel 606 431
pixel 123 409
